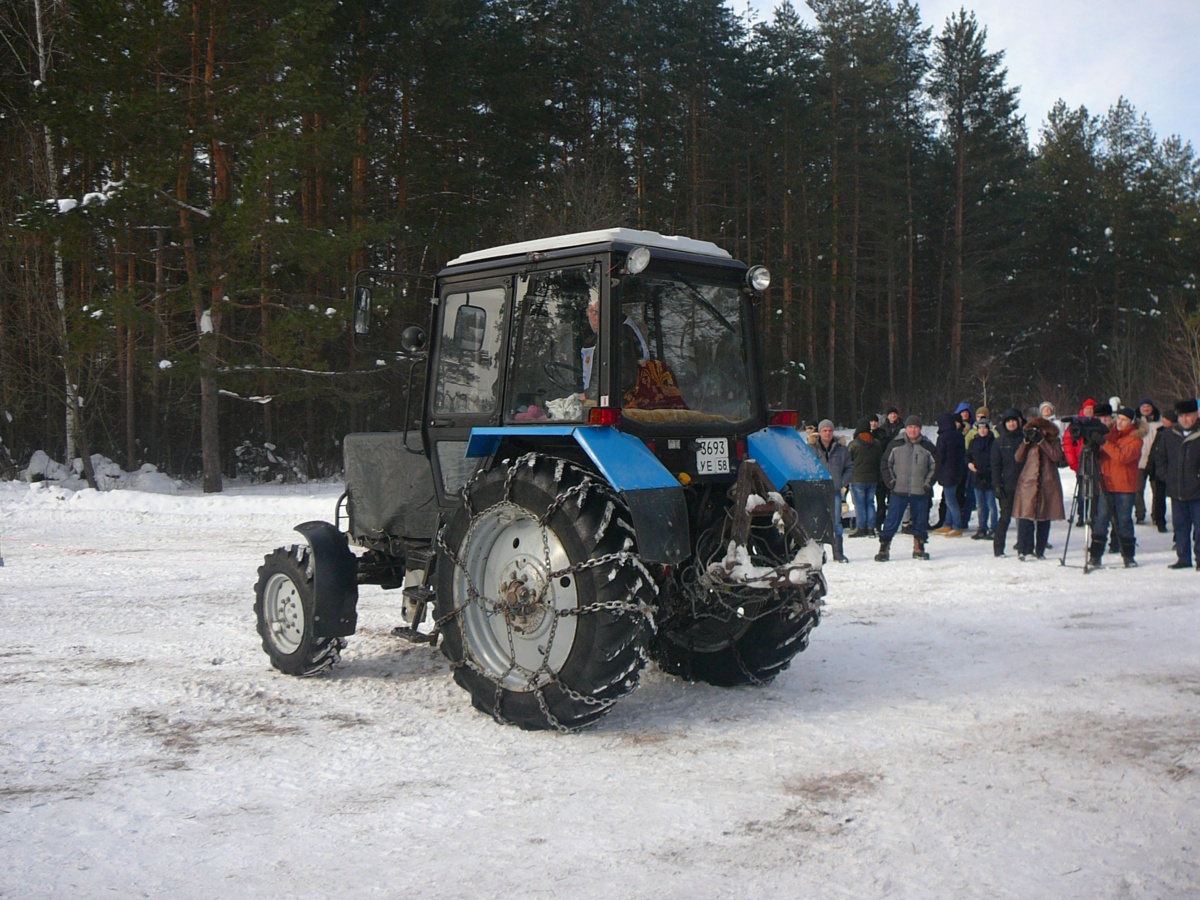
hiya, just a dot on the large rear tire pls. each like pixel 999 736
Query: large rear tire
pixel 283 605
pixel 746 653
pixel 741 637
pixel 544 606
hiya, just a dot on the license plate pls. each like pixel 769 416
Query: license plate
pixel 712 456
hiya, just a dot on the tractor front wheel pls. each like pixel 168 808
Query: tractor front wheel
pixel 283 605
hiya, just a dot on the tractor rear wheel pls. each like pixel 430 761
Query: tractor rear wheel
pixel 741 636
pixel 544 606
pixel 737 652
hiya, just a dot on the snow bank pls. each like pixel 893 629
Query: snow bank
pixel 109 475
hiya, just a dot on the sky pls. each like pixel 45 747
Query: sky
pixel 1086 53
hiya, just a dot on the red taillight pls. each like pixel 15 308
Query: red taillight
pixel 742 451
pixel 785 418
pixel 604 415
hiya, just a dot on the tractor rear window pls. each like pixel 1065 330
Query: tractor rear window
pixel 693 365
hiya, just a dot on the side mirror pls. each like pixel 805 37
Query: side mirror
pixel 470 323
pixel 413 338
pixel 362 311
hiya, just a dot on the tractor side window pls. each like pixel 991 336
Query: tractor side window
pixel 469 352
pixel 554 360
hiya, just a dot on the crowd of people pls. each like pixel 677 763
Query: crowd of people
pixel 1011 471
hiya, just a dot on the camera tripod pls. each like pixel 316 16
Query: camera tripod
pixel 1089 490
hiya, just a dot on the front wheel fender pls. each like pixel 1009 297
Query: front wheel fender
pixel 335 580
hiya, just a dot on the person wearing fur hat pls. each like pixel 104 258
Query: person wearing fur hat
pixel 1046 411
pixel 866 453
pixel 1176 457
pixel 1152 420
pixel 831 451
pixel 1119 455
pixel 908 470
pixel 1038 500
pixel 1005 470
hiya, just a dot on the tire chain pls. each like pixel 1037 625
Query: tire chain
pixel 624 557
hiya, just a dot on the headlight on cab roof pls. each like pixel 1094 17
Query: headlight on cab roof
pixel 759 278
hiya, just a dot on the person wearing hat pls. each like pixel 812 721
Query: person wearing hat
pixel 831 450
pixel 1119 455
pixel 979 462
pixel 866 453
pixel 1038 500
pixel 1046 411
pixel 1176 459
pixel 951 454
pixel 1005 470
pixel 1072 445
pixel 1152 420
pixel 890 428
pixel 908 470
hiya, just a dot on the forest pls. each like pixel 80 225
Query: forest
pixel 190 185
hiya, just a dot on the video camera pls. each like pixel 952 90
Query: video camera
pixel 1092 432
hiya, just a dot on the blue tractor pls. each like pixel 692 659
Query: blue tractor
pixel 597 482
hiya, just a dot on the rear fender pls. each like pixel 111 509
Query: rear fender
pixel 787 459
pixel 335 580
pixel 653 496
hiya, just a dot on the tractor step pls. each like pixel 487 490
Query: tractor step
pixel 417 598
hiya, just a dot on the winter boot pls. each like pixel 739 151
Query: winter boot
pixel 1127 555
pixel 860 532
pixel 885 546
pixel 980 535
pixel 1095 553
pixel 838 554
pixel 919 548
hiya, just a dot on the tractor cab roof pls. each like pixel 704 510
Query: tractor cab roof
pixel 608 238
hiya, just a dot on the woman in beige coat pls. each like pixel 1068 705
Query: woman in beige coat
pixel 1039 498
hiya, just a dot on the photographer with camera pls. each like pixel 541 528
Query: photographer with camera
pixel 1038 499
pixel 1074 440
pixel 1119 450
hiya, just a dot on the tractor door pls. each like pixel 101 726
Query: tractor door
pixel 464 392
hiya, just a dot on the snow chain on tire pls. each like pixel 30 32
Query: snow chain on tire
pixel 545 607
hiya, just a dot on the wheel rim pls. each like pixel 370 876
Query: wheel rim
pixel 511 584
pixel 283 613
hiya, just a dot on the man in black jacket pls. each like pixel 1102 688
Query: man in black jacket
pixel 1005 470
pixel 1177 462
pixel 889 429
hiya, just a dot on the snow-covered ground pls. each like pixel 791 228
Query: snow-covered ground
pixel 962 727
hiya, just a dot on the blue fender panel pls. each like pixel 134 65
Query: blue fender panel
pixel 653 496
pixel 335 580
pixel 788 460
pixel 785 456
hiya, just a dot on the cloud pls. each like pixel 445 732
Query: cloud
pixel 1087 54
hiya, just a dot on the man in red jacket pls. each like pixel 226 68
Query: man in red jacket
pixel 1120 452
